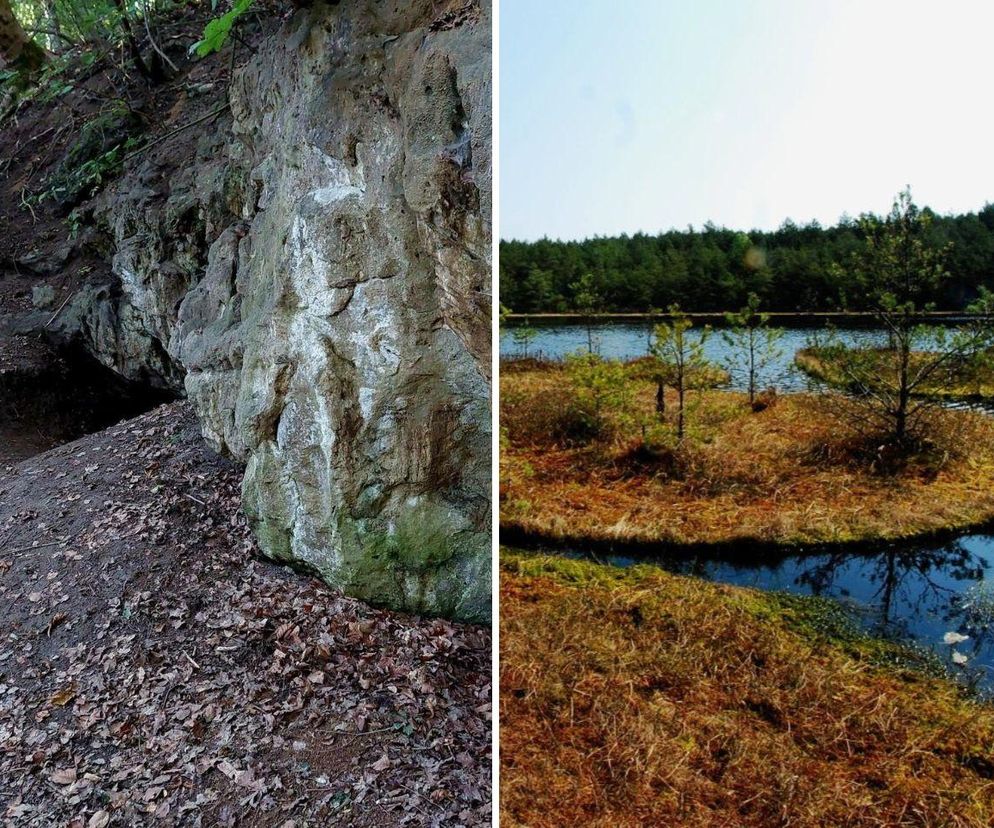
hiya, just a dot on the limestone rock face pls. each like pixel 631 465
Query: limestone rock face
pixel 155 228
pixel 321 288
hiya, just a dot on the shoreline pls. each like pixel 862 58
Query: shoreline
pixel 771 484
pixel 749 551
pixel 864 316
pixel 644 661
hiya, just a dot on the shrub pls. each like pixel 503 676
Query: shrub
pixel 602 391
pixel 96 156
pixel 548 415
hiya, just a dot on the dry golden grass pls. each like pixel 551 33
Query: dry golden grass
pixel 957 382
pixel 636 698
pixel 788 474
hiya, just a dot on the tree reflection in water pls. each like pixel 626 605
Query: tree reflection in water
pixel 911 591
pixel 917 593
pixel 902 576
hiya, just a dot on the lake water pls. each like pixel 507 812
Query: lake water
pixel 626 340
pixel 915 592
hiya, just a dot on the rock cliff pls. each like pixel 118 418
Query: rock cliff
pixel 315 276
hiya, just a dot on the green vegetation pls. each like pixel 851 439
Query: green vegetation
pixel 218 30
pixel 586 399
pixel 679 357
pixel 523 335
pixel 714 269
pixel 897 272
pixel 588 301
pixel 969 378
pixel 18 52
pixel 58 25
pixel 666 700
pixel 96 155
pixel 36 33
pixel 103 65
pixel 601 394
pixel 753 342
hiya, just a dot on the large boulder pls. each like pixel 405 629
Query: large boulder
pixel 318 279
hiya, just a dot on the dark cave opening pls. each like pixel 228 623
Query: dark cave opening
pixel 61 394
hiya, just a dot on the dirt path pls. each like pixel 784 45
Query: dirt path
pixel 154 671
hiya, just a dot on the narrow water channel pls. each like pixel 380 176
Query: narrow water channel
pixel 915 592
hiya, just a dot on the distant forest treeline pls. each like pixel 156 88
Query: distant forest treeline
pixel 715 269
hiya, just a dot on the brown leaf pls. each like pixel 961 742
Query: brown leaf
pixel 63 776
pixel 63 697
pixel 57 619
pixel 98 820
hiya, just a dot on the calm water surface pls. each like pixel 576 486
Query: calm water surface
pixel 626 340
pixel 914 592
pixel 630 339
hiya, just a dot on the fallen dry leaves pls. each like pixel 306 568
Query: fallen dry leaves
pixel 153 670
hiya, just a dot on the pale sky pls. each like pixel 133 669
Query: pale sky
pixel 651 114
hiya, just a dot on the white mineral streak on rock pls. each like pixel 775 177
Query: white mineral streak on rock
pixel 339 183
pixel 373 340
pixel 318 278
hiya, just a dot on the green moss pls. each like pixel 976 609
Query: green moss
pixel 262 501
pixel 420 566
pixel 571 571
pixel 426 562
pixel 424 539
pixel 820 619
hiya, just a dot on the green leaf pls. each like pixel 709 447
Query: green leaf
pixel 216 32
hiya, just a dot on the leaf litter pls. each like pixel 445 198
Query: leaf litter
pixel 154 670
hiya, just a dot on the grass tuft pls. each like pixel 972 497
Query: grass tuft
pixel 788 474
pixel 636 697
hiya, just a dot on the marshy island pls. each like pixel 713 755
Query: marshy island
pixel 819 462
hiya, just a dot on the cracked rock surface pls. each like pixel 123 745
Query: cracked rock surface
pixel 315 275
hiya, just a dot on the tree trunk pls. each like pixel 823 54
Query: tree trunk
pixel 17 50
pixel 903 393
pixel 153 74
pixel 55 38
pixel 752 368
pixel 901 424
pixel 660 399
